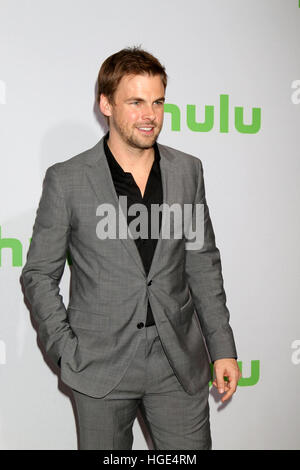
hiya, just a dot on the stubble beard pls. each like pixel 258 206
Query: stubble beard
pixel 130 137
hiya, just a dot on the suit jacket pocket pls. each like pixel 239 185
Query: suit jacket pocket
pixel 187 310
pixel 91 330
pixel 87 320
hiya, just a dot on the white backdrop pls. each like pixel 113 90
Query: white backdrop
pixel 50 54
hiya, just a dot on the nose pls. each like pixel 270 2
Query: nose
pixel 148 112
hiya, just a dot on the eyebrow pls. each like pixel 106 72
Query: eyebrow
pixel 133 98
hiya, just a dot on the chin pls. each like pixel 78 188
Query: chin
pixel 144 143
pixel 148 144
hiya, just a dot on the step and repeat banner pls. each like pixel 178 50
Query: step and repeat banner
pixel 232 100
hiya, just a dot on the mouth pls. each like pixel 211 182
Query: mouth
pixel 146 130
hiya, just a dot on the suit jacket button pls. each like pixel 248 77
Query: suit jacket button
pixel 140 325
pixel 149 283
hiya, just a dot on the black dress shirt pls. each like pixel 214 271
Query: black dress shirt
pixel 125 185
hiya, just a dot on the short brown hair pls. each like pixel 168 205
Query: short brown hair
pixel 132 60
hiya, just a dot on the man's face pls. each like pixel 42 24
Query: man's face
pixel 138 110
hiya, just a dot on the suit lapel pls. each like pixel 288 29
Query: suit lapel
pixel 99 175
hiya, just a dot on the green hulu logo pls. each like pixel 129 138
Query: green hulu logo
pixel 209 120
pixel 16 248
pixel 244 381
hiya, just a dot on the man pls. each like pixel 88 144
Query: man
pixel 131 336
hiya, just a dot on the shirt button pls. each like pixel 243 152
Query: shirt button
pixel 140 325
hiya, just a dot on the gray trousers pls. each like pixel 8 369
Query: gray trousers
pixel 175 419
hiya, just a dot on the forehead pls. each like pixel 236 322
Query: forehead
pixel 140 84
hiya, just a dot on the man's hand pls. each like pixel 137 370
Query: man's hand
pixel 227 367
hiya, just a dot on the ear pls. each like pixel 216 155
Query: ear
pixel 104 105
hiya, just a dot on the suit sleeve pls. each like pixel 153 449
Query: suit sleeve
pixel 44 267
pixel 205 280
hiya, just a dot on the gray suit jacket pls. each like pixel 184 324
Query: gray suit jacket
pixel 97 335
